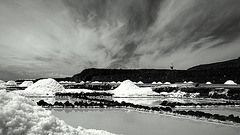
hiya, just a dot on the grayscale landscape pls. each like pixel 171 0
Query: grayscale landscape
pixel 131 67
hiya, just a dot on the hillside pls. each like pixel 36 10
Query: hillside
pixel 215 73
pixel 230 64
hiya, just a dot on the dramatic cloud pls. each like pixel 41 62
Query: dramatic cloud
pixel 58 38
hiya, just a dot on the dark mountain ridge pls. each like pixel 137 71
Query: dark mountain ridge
pixel 230 64
pixel 216 73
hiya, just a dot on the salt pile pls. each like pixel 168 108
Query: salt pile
pixel 26 84
pixel 21 116
pixel 44 87
pixel 159 82
pixel 230 82
pixel 82 82
pixel 178 94
pixel 128 89
pixel 208 83
pixel 154 83
pixel 1 81
pixel 2 85
pixel 167 83
pixel 11 83
pixel 113 82
pixel 66 82
pixel 140 82
pixel 96 82
pixel 78 91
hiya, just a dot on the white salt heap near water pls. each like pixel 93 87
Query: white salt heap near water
pixel 2 85
pixel 1 81
pixel 230 82
pixel 159 82
pixel 21 116
pixel 113 82
pixel 43 87
pixel 190 82
pixel 140 82
pixel 128 89
pixel 208 83
pixel 26 84
pixel 78 91
pixel 176 94
pixel 11 83
pixel 167 83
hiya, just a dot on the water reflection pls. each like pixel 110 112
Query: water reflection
pixel 134 123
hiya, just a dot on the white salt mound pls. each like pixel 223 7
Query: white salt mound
pixel 26 84
pixel 178 94
pixel 159 82
pixel 1 81
pixel 21 116
pixel 113 82
pixel 2 86
pixel 78 91
pixel 230 82
pixel 190 82
pixel 11 83
pixel 44 87
pixel 208 83
pixel 154 83
pixel 140 82
pixel 95 82
pixel 82 82
pixel 128 89
pixel 167 83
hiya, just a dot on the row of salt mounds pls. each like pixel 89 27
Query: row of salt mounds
pixel 128 89
pixel 230 82
pixel 44 87
pixel 11 83
pixel 21 116
pixel 161 83
pixel 26 84
pixel 156 82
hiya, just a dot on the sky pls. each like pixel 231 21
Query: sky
pixel 59 38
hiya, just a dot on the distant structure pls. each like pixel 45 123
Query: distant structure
pixel 172 67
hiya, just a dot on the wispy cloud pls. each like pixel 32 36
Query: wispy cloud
pixel 64 37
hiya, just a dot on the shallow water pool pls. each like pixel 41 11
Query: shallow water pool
pixel 121 121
